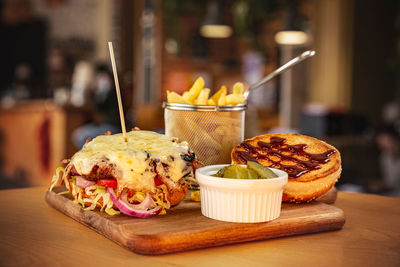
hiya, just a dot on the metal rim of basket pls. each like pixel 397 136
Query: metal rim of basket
pixel 189 107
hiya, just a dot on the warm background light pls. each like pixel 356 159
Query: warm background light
pixel 291 37
pixel 216 31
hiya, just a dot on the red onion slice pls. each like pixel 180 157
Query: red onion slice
pixel 144 205
pixel 82 182
pixel 139 210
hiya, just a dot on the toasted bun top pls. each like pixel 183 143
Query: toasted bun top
pixel 303 157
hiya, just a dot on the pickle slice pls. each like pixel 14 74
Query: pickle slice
pixel 220 173
pixel 262 171
pixel 235 172
pixel 239 172
pixel 252 174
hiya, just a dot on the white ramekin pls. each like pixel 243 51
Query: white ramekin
pixel 240 200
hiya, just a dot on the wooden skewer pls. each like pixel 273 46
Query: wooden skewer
pixel 121 111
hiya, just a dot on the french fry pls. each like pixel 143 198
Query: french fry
pixel 211 102
pixel 217 95
pixel 222 98
pixel 186 97
pixel 203 136
pixel 196 89
pixel 195 196
pixel 198 95
pixel 234 99
pixel 238 88
pixel 203 97
pixel 173 97
pixel 212 134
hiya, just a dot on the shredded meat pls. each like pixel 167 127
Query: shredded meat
pixel 101 170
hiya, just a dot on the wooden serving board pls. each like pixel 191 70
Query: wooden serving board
pixel 185 228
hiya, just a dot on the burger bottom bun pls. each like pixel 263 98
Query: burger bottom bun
pixel 176 195
pixel 297 192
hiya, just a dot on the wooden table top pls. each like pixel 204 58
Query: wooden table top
pixel 34 234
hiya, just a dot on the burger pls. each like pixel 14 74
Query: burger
pixel 143 176
pixel 313 166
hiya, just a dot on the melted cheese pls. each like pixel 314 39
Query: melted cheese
pixel 133 159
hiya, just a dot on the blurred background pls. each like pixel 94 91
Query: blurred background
pixel 56 87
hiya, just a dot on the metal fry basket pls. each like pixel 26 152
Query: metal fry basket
pixel 211 131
